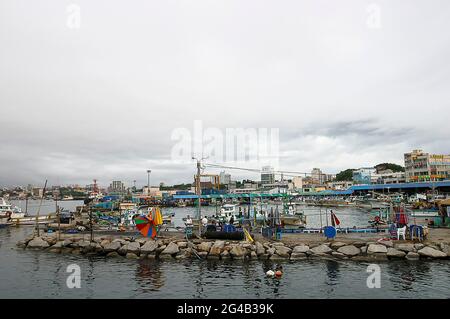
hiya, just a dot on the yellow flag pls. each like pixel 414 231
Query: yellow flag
pixel 158 217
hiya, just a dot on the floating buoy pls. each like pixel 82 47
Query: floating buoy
pixel 278 273
pixel 270 273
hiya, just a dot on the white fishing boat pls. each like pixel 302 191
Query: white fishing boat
pixel 9 211
pixel 290 218
pixel 226 212
pixel 32 220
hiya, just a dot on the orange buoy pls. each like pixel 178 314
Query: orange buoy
pixel 278 273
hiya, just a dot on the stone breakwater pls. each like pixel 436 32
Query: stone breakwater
pixel 175 248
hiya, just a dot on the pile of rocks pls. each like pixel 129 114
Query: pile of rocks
pixel 171 248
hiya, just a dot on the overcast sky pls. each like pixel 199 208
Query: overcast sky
pixel 348 83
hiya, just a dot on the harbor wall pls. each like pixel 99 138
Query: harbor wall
pixel 173 248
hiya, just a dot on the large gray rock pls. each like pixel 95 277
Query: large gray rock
pixel 260 250
pixel 204 246
pixel 217 248
pixel 38 242
pixel 337 244
pixel 171 249
pixel 83 243
pixel 376 248
pixel 104 242
pixel 110 247
pixel 59 244
pixel 406 247
pixel 392 252
pixel 321 249
pixel 419 246
pixel 283 251
pixel 225 254
pixel 149 247
pixel 131 255
pixel 359 244
pixel 445 248
pixel 142 240
pixel 431 252
pixel 349 250
pixel 182 244
pixel 412 256
pixel 133 247
pixel 340 255
pixel 300 249
pixel 278 257
pixel 387 243
pixel 237 252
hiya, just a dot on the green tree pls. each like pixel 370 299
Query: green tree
pixel 346 175
pixel 391 166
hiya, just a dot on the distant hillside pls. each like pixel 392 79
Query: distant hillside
pixel 391 166
pixel 346 175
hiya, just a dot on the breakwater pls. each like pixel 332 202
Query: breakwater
pixel 174 247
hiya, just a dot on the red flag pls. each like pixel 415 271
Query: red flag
pixel 335 219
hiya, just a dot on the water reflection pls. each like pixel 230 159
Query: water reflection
pixel 403 275
pixel 149 275
pixel 332 272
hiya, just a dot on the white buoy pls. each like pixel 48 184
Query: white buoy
pixel 270 273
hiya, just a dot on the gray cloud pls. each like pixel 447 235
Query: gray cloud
pixel 102 101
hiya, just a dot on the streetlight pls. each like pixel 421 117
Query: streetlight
pixel 148 180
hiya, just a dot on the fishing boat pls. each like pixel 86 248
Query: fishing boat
pixel 290 218
pixel 9 211
pixel 226 212
pixel 32 220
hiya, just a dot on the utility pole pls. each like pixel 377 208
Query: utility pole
pixel 198 190
pixel 199 194
pixel 148 179
pixel 90 222
pixel 59 216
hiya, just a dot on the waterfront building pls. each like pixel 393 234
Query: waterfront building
pixel 225 178
pixel 37 192
pixel 421 166
pixel 267 175
pixel 116 187
pixel 152 191
pixel 364 175
pixel 243 190
pixel 389 177
pixel 317 176
pixel 339 185
pixel 297 182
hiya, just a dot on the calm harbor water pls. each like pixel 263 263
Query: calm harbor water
pixel 33 274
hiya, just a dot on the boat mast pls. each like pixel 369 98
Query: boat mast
pixel 39 208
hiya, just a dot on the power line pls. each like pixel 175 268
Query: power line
pixel 287 173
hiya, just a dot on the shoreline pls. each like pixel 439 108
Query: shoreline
pixel 291 248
